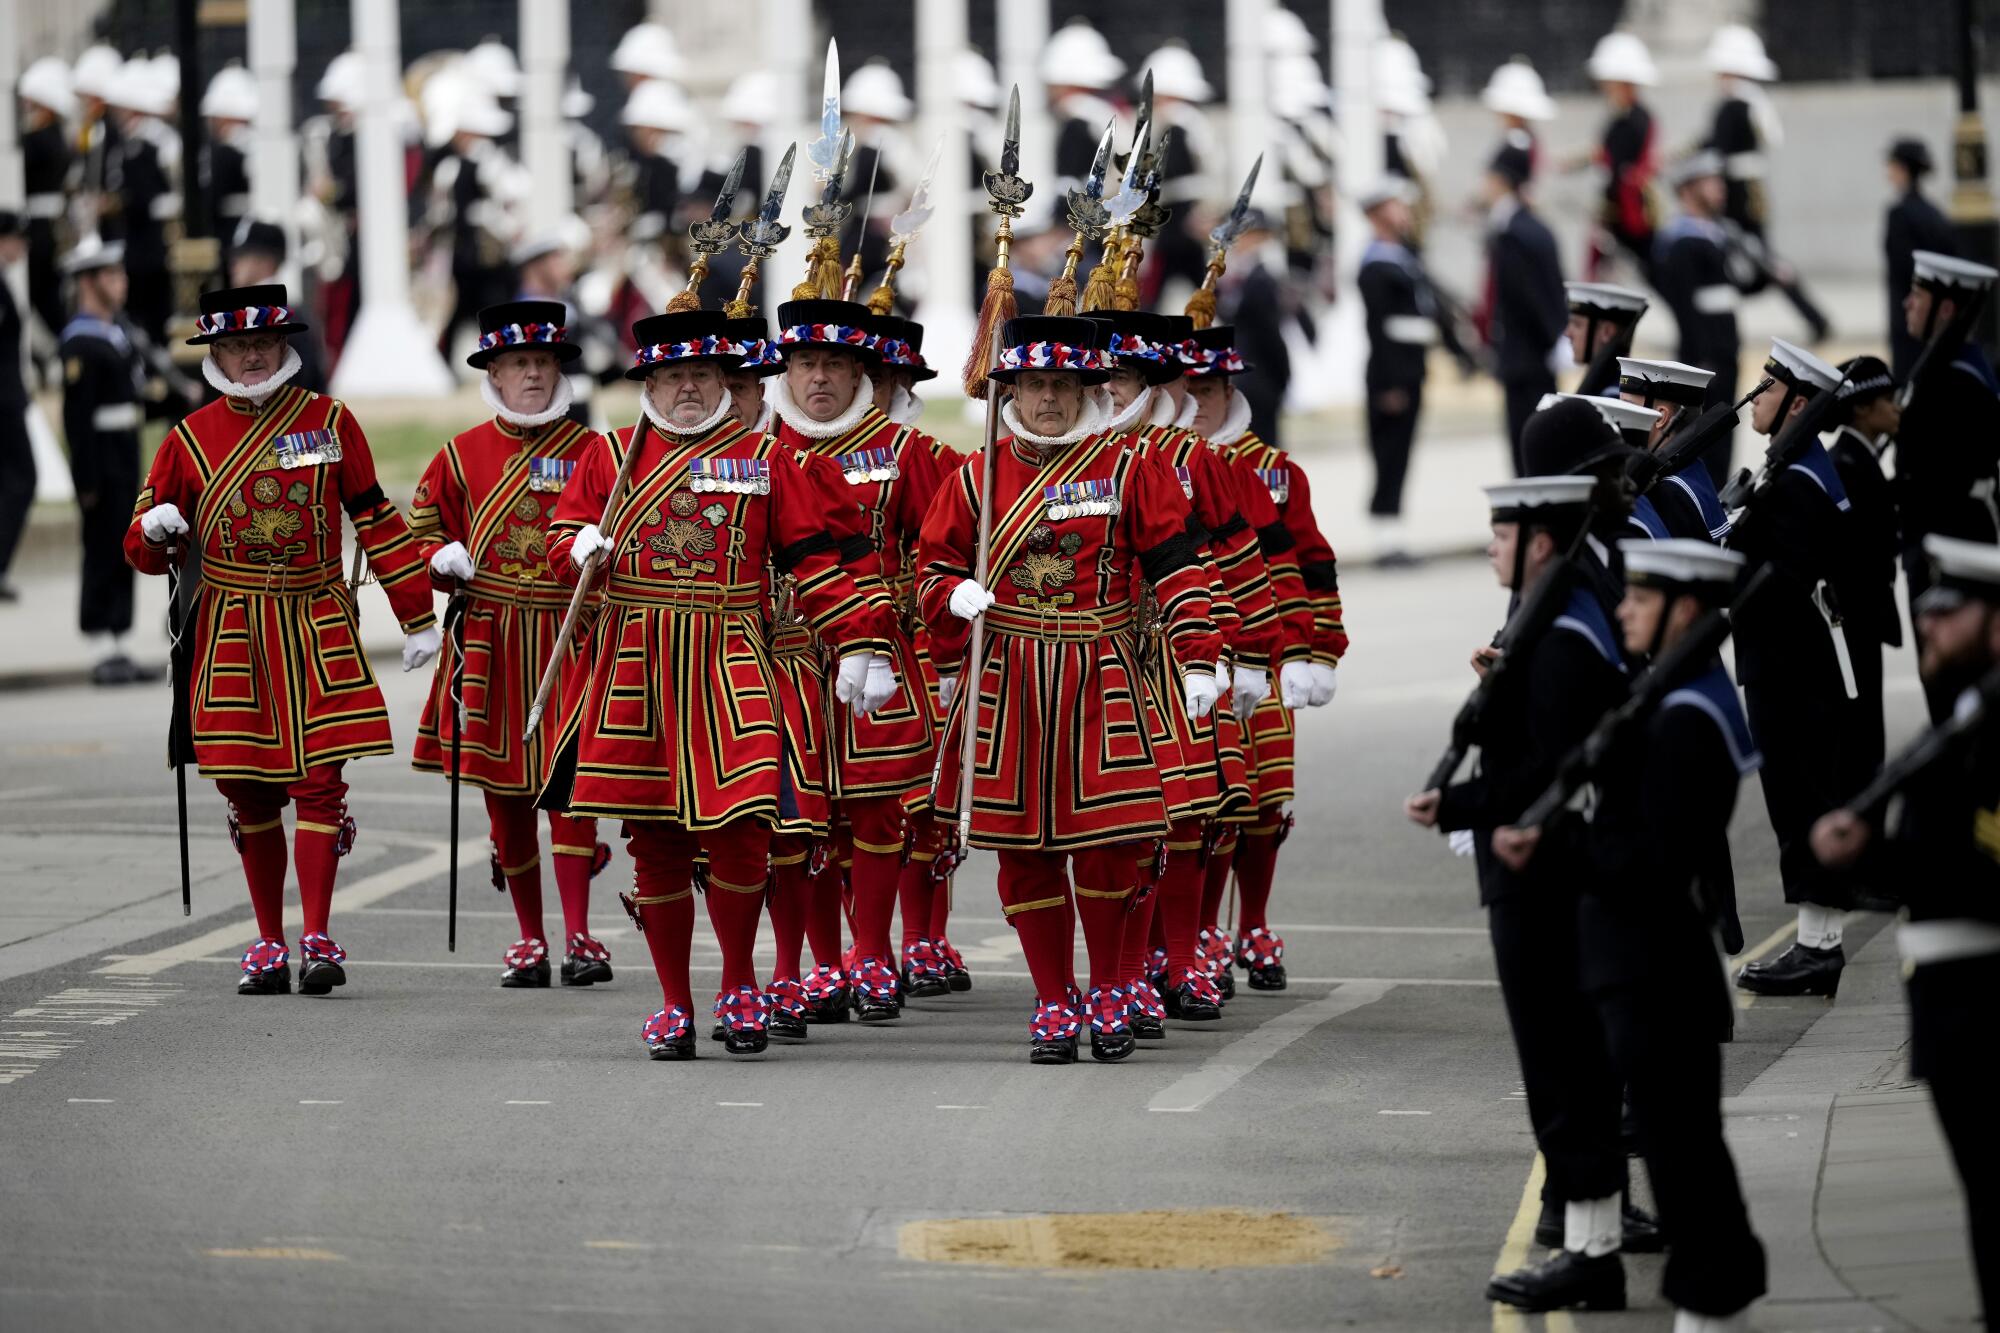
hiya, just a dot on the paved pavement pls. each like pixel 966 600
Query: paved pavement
pixel 423 1148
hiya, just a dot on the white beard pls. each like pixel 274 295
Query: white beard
pixel 558 405
pixel 1092 420
pixel 1235 420
pixel 779 396
pixel 905 408
pixel 1127 418
pixel 254 393
pixel 667 427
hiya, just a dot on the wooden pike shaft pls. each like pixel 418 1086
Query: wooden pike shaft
pixel 973 668
pixel 554 668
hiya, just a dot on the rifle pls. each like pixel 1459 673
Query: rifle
pixel 1767 270
pixel 1744 489
pixel 1938 745
pixel 1702 641
pixel 1531 619
pixel 180 740
pixel 1692 441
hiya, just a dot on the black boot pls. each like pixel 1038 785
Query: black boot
pixel 271 981
pixel 1799 970
pixel 1564 1279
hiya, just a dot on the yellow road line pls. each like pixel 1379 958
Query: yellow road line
pixel 1515 1251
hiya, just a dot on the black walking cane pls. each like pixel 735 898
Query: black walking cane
pixel 179 741
pixel 454 620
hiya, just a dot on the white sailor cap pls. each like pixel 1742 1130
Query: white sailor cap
pixel 1962 570
pixel 1617 413
pixel 1936 271
pixel 1702 162
pixel 1663 381
pixel 93 252
pixel 1795 366
pixel 1511 501
pixel 1605 298
pixel 1679 561
pixel 1389 187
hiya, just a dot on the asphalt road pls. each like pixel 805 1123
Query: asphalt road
pixel 423 1149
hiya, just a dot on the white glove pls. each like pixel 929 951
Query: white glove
pixel 877 688
pixel 1202 692
pixel 851 677
pixel 1323 681
pixel 453 561
pixel 161 522
pixel 1460 841
pixel 1252 688
pixel 420 647
pixel 1223 675
pixel 947 687
pixel 589 541
pixel 1295 682
pixel 968 599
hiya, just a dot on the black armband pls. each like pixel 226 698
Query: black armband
pixel 1275 539
pixel 1175 553
pixel 1229 527
pixel 788 558
pixel 357 505
pixel 1319 575
pixel 1196 533
pixel 856 547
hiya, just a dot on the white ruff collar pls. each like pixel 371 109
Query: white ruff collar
pixel 1164 412
pixel 558 405
pixel 254 393
pixel 905 407
pixel 1184 418
pixel 1127 417
pixel 666 427
pixel 1235 420
pixel 1092 420
pixel 778 394
pixel 764 419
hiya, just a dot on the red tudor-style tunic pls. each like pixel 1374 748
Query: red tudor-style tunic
pixel 677 717
pixel 1062 759
pixel 889 473
pixel 494 489
pixel 1269 734
pixel 280 684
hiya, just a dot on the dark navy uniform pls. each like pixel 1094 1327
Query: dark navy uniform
pixel 1402 320
pixel 1682 504
pixel 1530 311
pixel 45 168
pixel 1627 212
pixel 1914 223
pixel 1868 594
pixel 17 456
pixel 1651 966
pixel 148 198
pixel 1691 270
pixel 1551 699
pixel 104 404
pixel 225 179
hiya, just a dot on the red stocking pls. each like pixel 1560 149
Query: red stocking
pixel 1105 879
pixel 573 843
pixel 738 865
pixel 1256 863
pixel 878 864
pixel 786 901
pixel 663 883
pixel 514 836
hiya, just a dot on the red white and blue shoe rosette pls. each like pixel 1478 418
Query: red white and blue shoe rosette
pixel 745 1009
pixel 924 961
pixel 265 956
pixel 1260 948
pixel 823 984
pixel 588 949
pixel 669 1027
pixel 525 955
pixel 319 947
pixel 874 981
pixel 1144 1001
pixel 1055 1020
pixel 787 996
pixel 1106 1006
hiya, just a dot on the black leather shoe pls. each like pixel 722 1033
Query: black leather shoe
pixel 318 976
pixel 1797 971
pixel 1267 978
pixel 834 1009
pixel 746 1043
pixel 1148 1029
pixel 271 981
pixel 787 1025
pixel 526 978
pixel 1563 1280
pixel 1062 1051
pixel 958 979
pixel 579 971
pixel 1111 1046
pixel 924 988
pixel 1226 983
pixel 1189 1008
pixel 875 1009
pixel 683 1049
pixel 1642 1232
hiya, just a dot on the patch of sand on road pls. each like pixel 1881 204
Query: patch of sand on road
pixel 1156 1240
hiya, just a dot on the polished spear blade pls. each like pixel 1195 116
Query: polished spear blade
pixel 1231 227
pixel 725 199
pixel 912 219
pixel 774 198
pixel 1010 146
pixel 1145 110
pixel 1135 164
pixel 1100 165
pixel 829 105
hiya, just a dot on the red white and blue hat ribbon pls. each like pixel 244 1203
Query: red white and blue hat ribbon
pixel 712 345
pixel 897 352
pixel 242 319
pixel 1190 353
pixel 1051 356
pixel 522 335
pixel 760 352
pixel 1131 344
pixel 1222 360
pixel 838 335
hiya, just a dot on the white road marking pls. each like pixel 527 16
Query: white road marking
pixel 92 1101
pixel 307 1101
pixel 1233 1062
pixel 1402 1112
pixel 527 1103
pixel 739 1103
pixel 33 1036
pixel 368 890
pixel 945 1106
pixel 29 793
